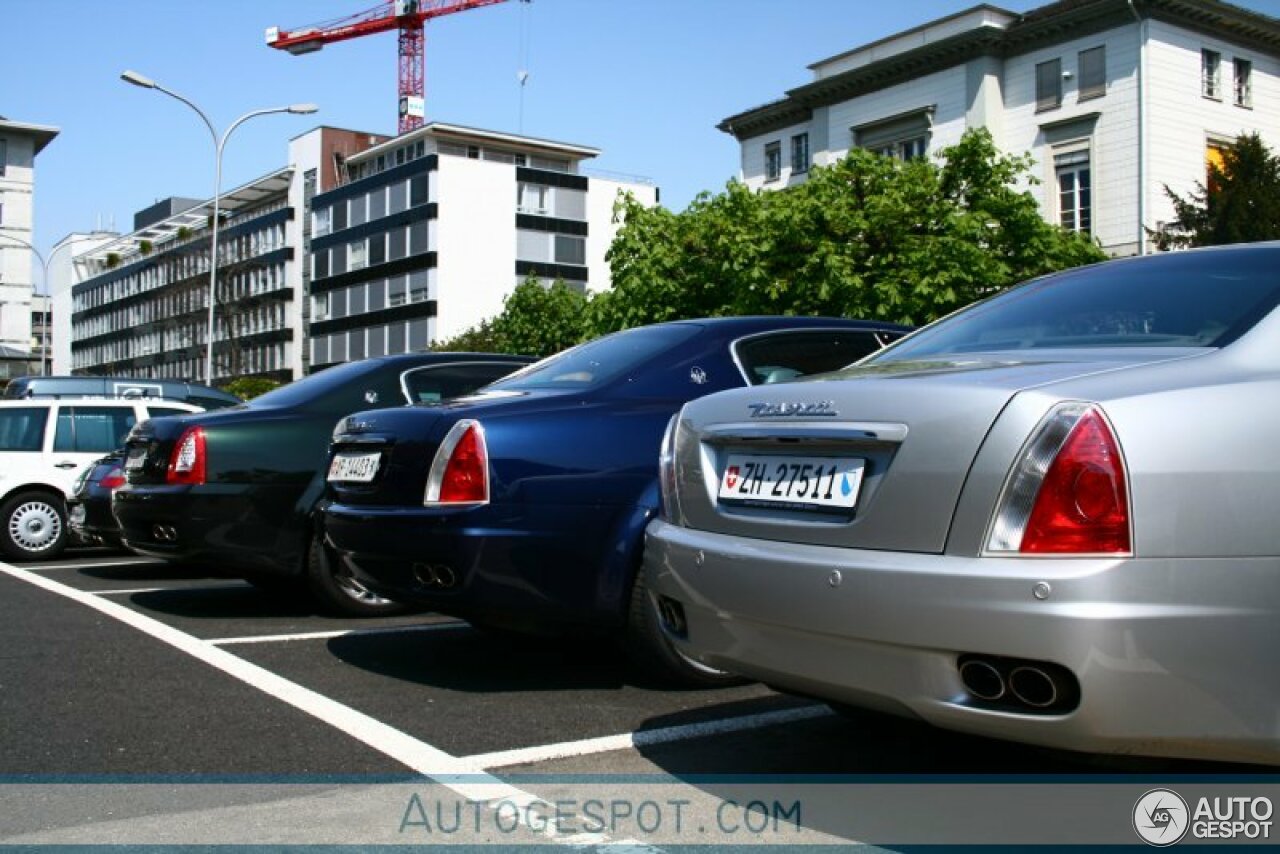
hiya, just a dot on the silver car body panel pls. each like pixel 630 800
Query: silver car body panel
pixel 1171 646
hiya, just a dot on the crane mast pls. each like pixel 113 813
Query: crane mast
pixel 407 16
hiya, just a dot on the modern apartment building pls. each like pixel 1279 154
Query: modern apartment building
pixel 142 300
pixel 361 245
pixel 1114 100
pixel 20 143
pixel 434 228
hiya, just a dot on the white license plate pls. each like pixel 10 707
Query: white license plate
pixel 799 483
pixel 357 468
pixel 136 458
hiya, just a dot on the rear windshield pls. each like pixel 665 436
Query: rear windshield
pixel 600 360
pixel 1190 300
pixel 315 388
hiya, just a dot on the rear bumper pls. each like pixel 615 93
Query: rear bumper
pixel 501 563
pixel 214 525
pixel 97 523
pixel 1172 657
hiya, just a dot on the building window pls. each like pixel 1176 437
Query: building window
pixel 532 198
pixel 4 155
pixel 905 149
pixel 773 161
pixel 1049 85
pixel 570 250
pixel 1075 191
pixel 322 222
pixel 1211 74
pixel 1215 161
pixel 800 153
pixel 1093 73
pixel 1243 83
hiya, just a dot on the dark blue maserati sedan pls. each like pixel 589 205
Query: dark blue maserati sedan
pixel 522 508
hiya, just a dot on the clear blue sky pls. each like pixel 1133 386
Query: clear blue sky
pixel 646 81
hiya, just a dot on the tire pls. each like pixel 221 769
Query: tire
pixel 337 590
pixel 652 651
pixel 33 526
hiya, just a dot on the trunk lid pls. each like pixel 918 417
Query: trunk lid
pixel 915 426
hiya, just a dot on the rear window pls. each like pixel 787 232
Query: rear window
pixel 1186 300
pixel 781 356
pixel 22 428
pixel 92 429
pixel 328 386
pixel 600 360
pixel 441 382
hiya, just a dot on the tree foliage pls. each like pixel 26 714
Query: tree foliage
pixel 247 388
pixel 869 237
pixel 536 320
pixel 1239 203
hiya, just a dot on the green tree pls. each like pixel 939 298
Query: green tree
pixel 536 320
pixel 247 388
pixel 868 237
pixel 1239 203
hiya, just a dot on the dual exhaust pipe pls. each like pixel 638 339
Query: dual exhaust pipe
pixel 437 576
pixel 1009 683
pixel 164 533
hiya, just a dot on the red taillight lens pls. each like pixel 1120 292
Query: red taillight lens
pixel 1083 504
pixel 1068 492
pixel 115 477
pixel 187 464
pixel 460 472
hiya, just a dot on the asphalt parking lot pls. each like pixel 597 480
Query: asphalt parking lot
pixel 126 670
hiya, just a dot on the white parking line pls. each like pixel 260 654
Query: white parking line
pixel 385 630
pixel 146 561
pixel 644 738
pixel 124 591
pixel 460 776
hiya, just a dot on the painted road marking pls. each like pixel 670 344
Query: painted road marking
pixel 644 738
pixel 460 776
pixel 342 633
pixel 124 591
pixel 98 565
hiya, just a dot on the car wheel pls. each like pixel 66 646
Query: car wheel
pixel 338 591
pixel 35 526
pixel 651 650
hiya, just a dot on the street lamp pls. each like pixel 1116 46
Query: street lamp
pixel 48 290
pixel 218 144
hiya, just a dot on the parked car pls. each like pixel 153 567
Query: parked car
pixel 203 396
pixel 45 444
pixel 89 507
pixel 522 508
pixel 1047 518
pixel 236 489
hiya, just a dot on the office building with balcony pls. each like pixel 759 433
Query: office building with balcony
pixel 433 229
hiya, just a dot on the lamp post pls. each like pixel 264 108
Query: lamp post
pixel 48 291
pixel 219 142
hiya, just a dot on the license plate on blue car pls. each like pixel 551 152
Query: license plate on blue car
pixel 797 483
pixel 350 467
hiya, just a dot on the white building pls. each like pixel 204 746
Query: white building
pixel 360 246
pixel 436 227
pixel 19 145
pixel 1114 99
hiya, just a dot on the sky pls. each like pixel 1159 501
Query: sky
pixel 645 81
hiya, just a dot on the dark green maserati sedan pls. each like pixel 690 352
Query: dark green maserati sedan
pixel 236 490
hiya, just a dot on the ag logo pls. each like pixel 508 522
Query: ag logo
pixel 1160 817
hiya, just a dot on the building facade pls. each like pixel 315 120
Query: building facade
pixel 435 227
pixel 20 143
pixel 1114 100
pixel 361 246
pixel 140 305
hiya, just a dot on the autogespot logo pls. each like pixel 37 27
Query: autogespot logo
pixel 1160 817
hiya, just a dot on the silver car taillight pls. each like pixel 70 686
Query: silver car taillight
pixel 669 511
pixel 1068 490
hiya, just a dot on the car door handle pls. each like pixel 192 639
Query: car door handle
pixel 64 465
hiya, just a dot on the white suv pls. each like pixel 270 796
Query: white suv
pixel 44 445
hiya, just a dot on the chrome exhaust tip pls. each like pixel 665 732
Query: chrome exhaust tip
pixel 982 679
pixel 1033 686
pixel 435 575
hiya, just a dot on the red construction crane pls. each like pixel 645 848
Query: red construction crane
pixel 407 16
